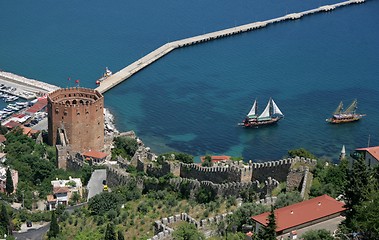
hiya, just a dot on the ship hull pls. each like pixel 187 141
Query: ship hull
pixel 248 123
pixel 343 120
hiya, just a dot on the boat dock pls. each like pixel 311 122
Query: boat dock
pixel 153 56
pixel 26 88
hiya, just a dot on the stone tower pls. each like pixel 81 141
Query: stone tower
pixel 75 118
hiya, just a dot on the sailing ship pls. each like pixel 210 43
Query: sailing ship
pixel 107 74
pixel 349 115
pixel 270 115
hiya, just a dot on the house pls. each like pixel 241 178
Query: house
pixel 3 179
pixel 63 190
pixel 2 139
pixel 95 157
pixel 369 154
pixel 300 215
pixel 216 159
pixel 3 157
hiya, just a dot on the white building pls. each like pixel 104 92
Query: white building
pixel 63 191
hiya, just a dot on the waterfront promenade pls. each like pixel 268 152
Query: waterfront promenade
pixel 153 56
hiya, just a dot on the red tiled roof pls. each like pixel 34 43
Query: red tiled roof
pixel 217 158
pixel 12 124
pixel 2 138
pixel 303 212
pixel 25 130
pixel 37 106
pixel 374 151
pixel 60 190
pixel 51 198
pixel 95 154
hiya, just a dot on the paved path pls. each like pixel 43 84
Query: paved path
pixel 95 184
pixel 33 233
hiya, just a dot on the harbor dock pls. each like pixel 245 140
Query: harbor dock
pixel 160 52
pixel 26 88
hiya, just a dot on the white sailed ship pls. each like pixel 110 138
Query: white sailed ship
pixel 270 115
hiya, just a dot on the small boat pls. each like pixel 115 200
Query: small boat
pixel 107 74
pixel 11 98
pixel 349 115
pixel 270 115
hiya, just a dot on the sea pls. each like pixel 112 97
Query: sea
pixel 193 99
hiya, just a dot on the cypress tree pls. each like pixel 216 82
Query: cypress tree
pixel 110 233
pixel 270 231
pixel 54 227
pixel 4 219
pixel 9 182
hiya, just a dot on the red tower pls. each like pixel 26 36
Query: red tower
pixel 76 118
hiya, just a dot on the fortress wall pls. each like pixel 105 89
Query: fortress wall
pixel 117 176
pixel 215 174
pixel 278 170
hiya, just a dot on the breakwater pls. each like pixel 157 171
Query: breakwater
pixel 30 84
pixel 153 56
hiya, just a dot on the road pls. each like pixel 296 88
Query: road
pixel 95 184
pixel 32 234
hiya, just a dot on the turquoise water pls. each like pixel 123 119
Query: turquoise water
pixel 192 99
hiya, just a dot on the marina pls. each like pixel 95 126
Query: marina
pixel 18 86
pixel 160 52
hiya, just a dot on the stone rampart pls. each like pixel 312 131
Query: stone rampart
pixel 216 174
pixel 164 169
pixel 227 189
pixel 278 170
pixel 117 176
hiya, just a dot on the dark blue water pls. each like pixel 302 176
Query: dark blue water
pixel 192 99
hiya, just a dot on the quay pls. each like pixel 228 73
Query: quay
pixel 153 56
pixel 24 87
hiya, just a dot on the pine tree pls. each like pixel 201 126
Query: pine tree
pixel 120 235
pixel 270 231
pixel 9 182
pixel 357 190
pixel 54 227
pixel 110 233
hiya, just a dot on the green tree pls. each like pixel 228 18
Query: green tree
pixel 366 218
pixel 270 229
pixel 9 182
pixel 104 202
pixel 286 199
pixel 301 152
pixel 207 161
pixel 243 215
pixel 4 220
pixel 110 234
pixel 320 234
pixel 120 235
pixel 187 231
pixel 124 146
pixel 205 195
pixel 357 191
pixel 54 227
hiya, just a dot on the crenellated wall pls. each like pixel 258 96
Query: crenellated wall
pixel 227 189
pixel 117 176
pixel 277 169
pixel 216 174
